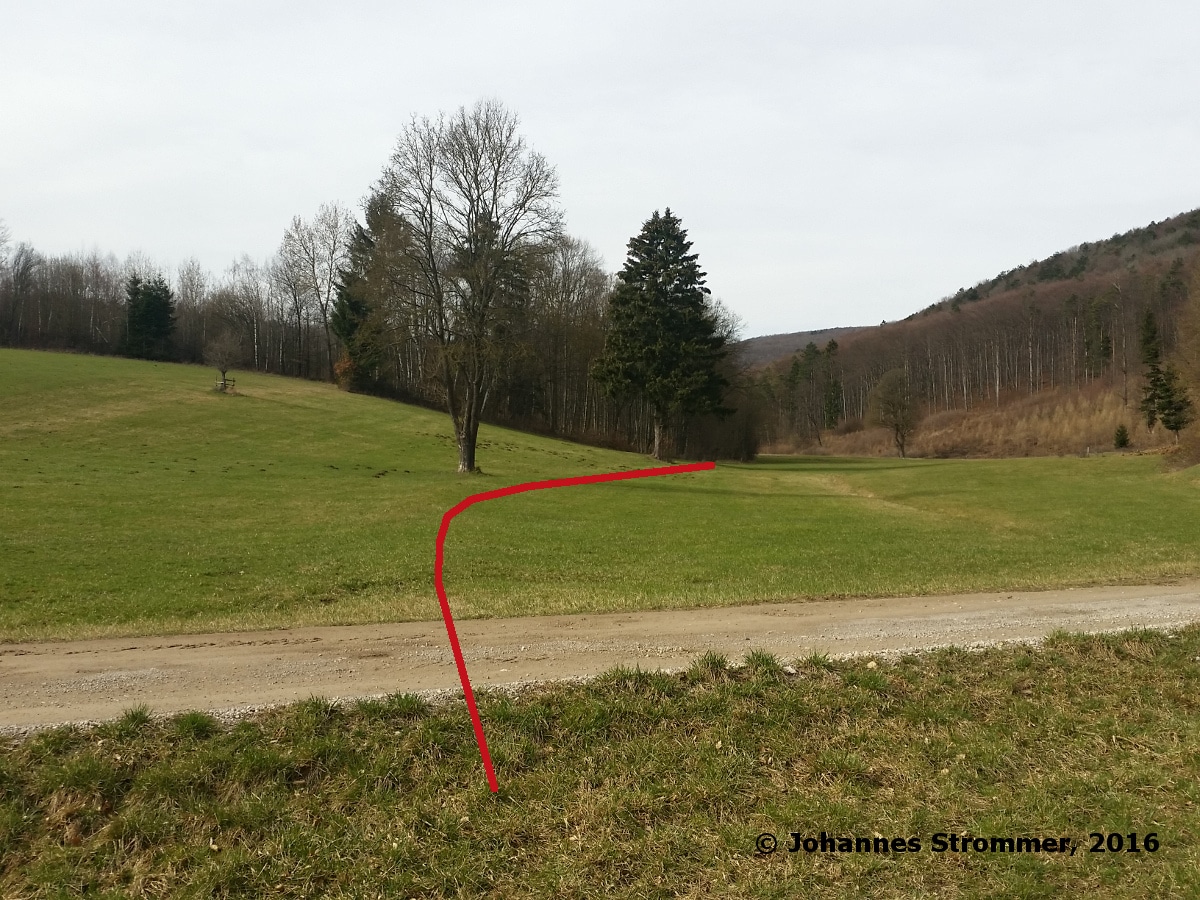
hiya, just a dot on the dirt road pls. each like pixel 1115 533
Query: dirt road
pixel 48 683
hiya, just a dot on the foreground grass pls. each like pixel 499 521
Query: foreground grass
pixel 643 785
pixel 134 499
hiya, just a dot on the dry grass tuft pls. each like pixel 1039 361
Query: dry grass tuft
pixel 1056 422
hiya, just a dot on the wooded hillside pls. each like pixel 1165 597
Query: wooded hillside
pixel 1064 323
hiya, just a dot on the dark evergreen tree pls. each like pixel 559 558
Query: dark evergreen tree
pixel 1174 407
pixel 664 342
pixel 1152 395
pixel 1121 437
pixel 833 387
pixel 150 317
pixel 353 308
pixel 1151 347
pixel 368 290
pixel 1151 352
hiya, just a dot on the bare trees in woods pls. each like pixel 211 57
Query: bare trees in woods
pixel 310 259
pixel 24 319
pixel 481 211
pixel 191 294
pixel 571 291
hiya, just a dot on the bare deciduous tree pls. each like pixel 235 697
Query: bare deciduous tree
pixel 21 274
pixel 311 256
pixel 191 296
pixel 893 406
pixel 241 302
pixel 223 354
pixel 481 209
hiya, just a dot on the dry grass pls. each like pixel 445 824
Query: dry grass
pixel 1058 422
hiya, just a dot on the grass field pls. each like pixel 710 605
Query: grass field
pixel 134 499
pixel 645 785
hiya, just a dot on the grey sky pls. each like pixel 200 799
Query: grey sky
pixel 834 163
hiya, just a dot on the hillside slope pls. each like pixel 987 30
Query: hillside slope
pixel 1177 237
pixel 134 499
pixel 759 351
pixel 1068 324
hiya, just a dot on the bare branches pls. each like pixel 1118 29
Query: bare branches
pixel 310 259
pixel 482 210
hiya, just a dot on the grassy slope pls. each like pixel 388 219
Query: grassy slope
pixel 643 785
pixel 135 499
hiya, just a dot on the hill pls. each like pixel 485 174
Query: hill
pixel 1177 237
pixel 1066 324
pixel 759 351
pixel 135 499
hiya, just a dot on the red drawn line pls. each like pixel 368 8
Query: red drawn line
pixel 441 589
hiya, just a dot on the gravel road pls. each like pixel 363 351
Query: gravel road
pixel 49 683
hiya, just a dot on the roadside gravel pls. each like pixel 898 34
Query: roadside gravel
pixel 48 683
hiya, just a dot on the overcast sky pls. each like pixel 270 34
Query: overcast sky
pixel 835 163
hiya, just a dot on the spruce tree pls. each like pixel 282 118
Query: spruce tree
pixel 1164 396
pixel 664 342
pixel 1152 396
pixel 1151 351
pixel 352 309
pixel 365 288
pixel 1174 407
pixel 1150 345
pixel 150 317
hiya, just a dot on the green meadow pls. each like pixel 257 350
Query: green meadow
pixel 134 499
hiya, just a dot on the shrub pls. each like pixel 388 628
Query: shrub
pixel 1121 437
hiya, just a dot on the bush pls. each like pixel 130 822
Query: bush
pixel 1121 438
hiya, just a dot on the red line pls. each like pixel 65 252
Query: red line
pixel 440 555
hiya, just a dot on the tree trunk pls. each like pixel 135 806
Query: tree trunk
pixel 467 429
pixel 328 347
pixel 466 447
pixel 659 448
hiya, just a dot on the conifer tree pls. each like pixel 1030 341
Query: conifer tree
pixel 664 340
pixel 150 317
pixel 1164 397
pixel 1174 407
pixel 362 286
pixel 1151 350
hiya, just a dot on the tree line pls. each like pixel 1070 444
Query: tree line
pixel 458 289
pixel 96 303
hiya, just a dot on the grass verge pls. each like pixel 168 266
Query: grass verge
pixel 644 785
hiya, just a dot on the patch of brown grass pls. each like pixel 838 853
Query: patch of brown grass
pixel 1056 422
